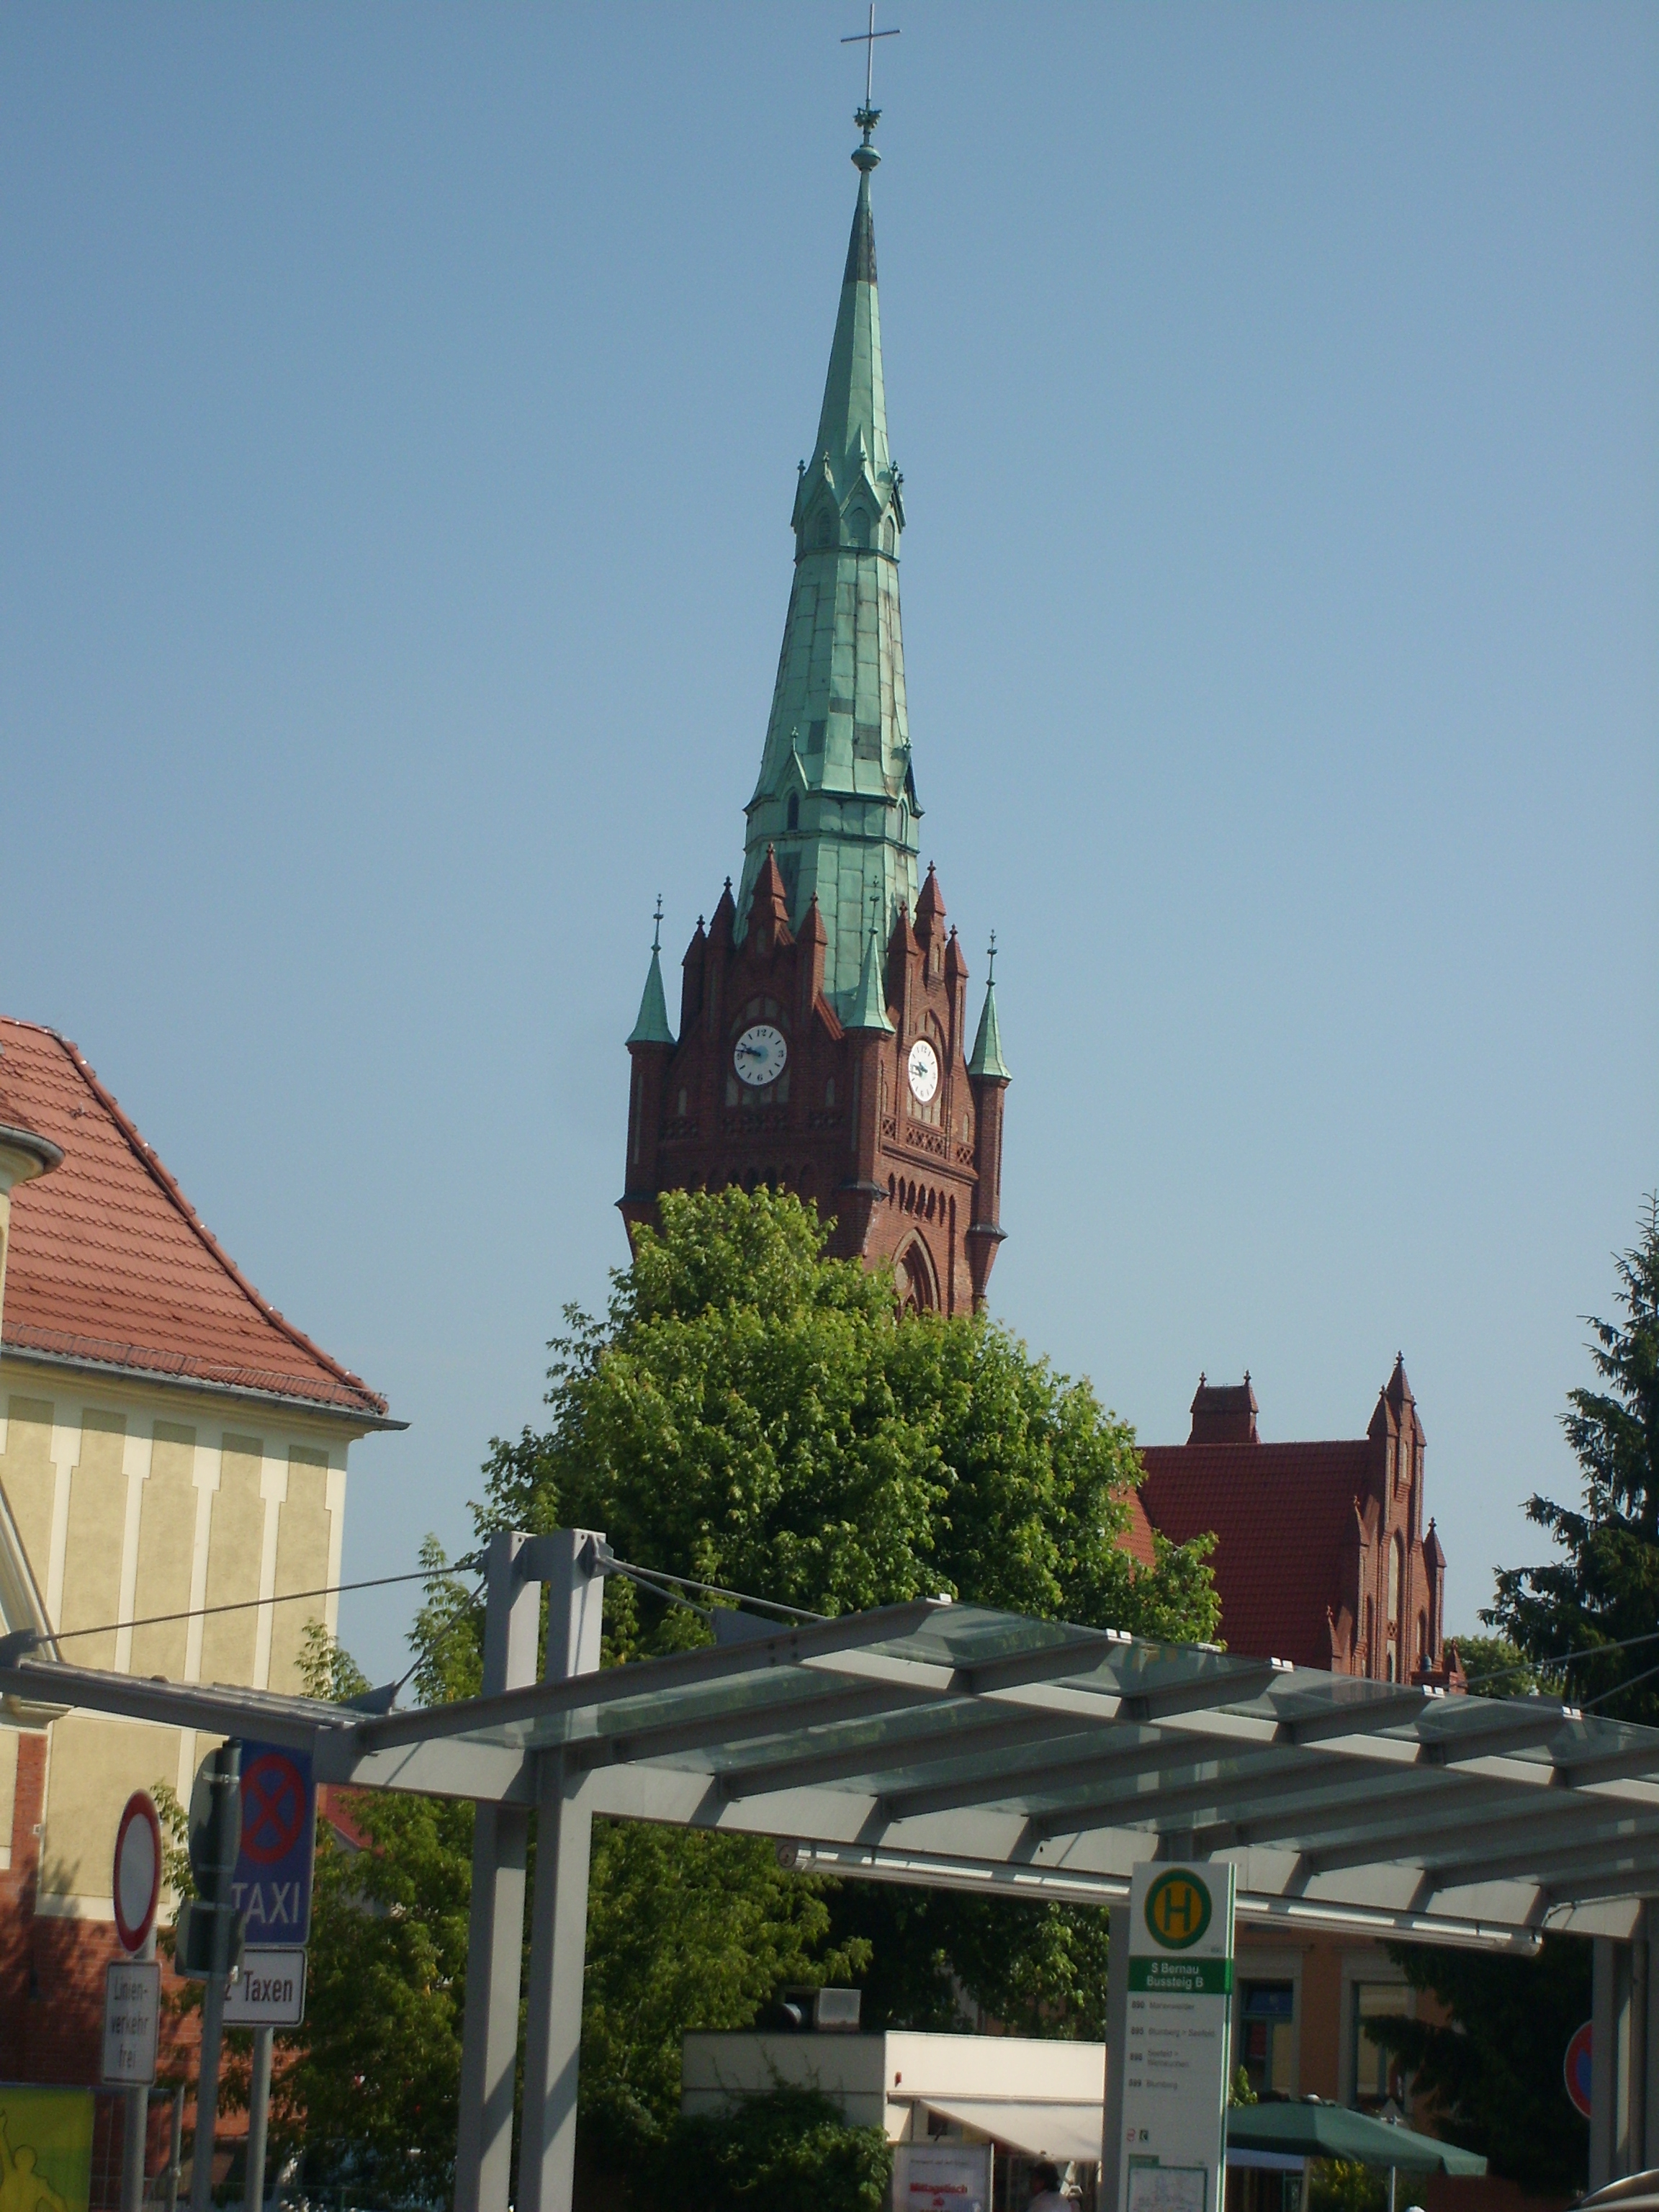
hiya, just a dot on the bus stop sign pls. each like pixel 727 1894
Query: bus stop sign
pixel 271 1887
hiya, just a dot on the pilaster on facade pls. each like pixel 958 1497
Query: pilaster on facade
pixel 134 1466
pixel 204 1479
pixel 65 1457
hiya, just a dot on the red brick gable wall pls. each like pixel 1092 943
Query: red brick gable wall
pixel 1321 1556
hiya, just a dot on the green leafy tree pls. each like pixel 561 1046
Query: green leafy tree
pixel 1343 2184
pixel 788 2151
pixel 1494 2068
pixel 369 2086
pixel 1603 1589
pixel 1495 1668
pixel 753 1413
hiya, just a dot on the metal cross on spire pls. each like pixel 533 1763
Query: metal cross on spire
pixel 656 933
pixel 866 118
pixel 991 961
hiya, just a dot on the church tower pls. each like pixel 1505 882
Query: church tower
pixel 824 1045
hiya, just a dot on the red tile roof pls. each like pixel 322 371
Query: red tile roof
pixel 109 1266
pixel 1280 1514
pixel 1137 1538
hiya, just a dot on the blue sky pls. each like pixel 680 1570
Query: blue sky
pixel 401 411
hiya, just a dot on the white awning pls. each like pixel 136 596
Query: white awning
pixel 1039 2128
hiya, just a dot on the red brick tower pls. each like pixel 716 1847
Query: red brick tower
pixel 824 1044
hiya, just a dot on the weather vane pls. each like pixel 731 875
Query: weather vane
pixel 656 933
pixel 866 118
pixel 991 960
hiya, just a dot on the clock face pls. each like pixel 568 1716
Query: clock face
pixel 922 1068
pixel 759 1054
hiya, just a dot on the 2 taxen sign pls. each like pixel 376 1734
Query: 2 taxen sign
pixel 272 1886
pixel 269 1992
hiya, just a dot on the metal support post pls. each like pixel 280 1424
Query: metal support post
pixel 259 2119
pixel 135 2134
pixel 207 2094
pixel 558 1938
pixel 490 2037
pixel 175 2149
pixel 1117 2044
pixel 1650 2156
pixel 1610 2143
pixel 1636 2065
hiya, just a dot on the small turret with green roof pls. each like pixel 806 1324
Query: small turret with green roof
pixel 652 1027
pixel 986 1058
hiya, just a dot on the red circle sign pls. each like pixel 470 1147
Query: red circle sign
pixel 137 1878
pixel 1575 2070
pixel 273 1808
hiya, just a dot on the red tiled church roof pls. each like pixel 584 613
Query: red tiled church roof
pixel 1137 1538
pixel 1280 1515
pixel 109 1266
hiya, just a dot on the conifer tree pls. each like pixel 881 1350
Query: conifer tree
pixel 1603 1591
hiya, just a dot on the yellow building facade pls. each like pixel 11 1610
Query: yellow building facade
pixel 173 1488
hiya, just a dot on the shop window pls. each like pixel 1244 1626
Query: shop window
pixel 1379 2078
pixel 1267 2017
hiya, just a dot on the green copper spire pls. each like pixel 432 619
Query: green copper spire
pixel 652 1027
pixel 869 1008
pixel 986 1058
pixel 836 797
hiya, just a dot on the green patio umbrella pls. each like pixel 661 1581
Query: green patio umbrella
pixel 1314 2131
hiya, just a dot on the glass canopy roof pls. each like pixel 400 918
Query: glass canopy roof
pixel 936 1734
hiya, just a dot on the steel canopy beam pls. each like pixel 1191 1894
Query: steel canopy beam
pixel 1547 1861
pixel 976 1738
pixel 1156 1806
pixel 1142 1756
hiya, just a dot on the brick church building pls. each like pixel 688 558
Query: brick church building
pixel 823 1042
pixel 1322 1556
pixel 823 1046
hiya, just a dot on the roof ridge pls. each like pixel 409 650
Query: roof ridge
pixel 147 1157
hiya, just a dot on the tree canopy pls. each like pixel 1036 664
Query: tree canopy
pixel 749 1412
pixel 1584 1622
pixel 1494 2066
pixel 1602 1591
pixel 753 1413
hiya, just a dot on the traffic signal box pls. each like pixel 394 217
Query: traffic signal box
pixel 211 1929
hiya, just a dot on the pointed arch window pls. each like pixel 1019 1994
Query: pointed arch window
pixel 793 817
pixel 1396 1576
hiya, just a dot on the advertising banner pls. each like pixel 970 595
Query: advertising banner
pixel 941 2177
pixel 45 2148
pixel 1180 2008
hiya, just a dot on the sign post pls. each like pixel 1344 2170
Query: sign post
pixel 210 1939
pixel 132 1988
pixel 1171 2145
pixel 271 1890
